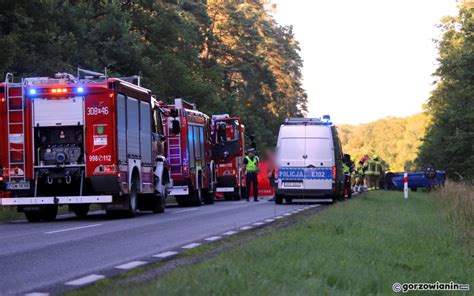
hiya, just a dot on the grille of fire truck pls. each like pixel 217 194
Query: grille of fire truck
pixel 16 129
pixel 174 152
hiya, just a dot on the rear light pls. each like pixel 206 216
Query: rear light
pixel 1 178
pixel 334 172
pixel 186 171
pixel 13 172
pixel 105 169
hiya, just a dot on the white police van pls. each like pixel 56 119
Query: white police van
pixel 309 160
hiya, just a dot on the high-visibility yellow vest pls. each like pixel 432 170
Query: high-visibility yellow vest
pixel 251 165
pixel 370 168
pixel 360 169
pixel 346 168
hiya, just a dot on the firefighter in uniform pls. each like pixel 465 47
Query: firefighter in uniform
pixel 353 173
pixel 377 171
pixel 360 175
pixel 251 169
pixel 369 173
pixel 347 177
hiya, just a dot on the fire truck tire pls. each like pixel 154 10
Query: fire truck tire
pixel 279 199
pixel 182 201
pixel 209 198
pixel 132 200
pixel 160 204
pixel 196 199
pixel 49 213
pixel 81 211
pixel 33 216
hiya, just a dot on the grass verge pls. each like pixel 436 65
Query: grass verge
pixel 354 248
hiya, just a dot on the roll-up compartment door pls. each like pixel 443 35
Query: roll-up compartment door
pixel 121 128
pixel 145 132
pixel 133 128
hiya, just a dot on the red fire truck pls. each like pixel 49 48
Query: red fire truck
pixel 228 154
pixel 189 153
pixel 81 141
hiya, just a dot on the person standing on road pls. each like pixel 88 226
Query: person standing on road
pixel 360 176
pixel 251 168
pixel 377 171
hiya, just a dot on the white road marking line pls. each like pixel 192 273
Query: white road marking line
pixel 37 294
pixel 239 202
pixel 73 228
pixel 258 223
pixel 278 217
pixel 269 220
pixel 131 265
pixel 213 238
pixel 246 228
pixel 190 246
pixel 85 280
pixel 287 214
pixel 182 211
pixel 165 254
pixel 229 232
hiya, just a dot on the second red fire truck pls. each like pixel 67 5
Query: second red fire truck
pixel 81 141
pixel 228 154
pixel 189 153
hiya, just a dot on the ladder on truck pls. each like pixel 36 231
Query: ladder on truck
pixel 174 152
pixel 16 129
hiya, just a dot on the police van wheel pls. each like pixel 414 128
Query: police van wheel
pixel 279 199
pixel 33 216
pixel 288 200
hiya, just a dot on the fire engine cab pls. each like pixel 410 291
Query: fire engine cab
pixel 228 154
pixel 189 153
pixel 78 141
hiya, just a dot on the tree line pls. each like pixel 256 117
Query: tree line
pixel 449 140
pixel 395 139
pixel 227 56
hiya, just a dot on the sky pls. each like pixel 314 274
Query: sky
pixel 366 59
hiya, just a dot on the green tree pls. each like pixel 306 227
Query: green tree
pixel 448 143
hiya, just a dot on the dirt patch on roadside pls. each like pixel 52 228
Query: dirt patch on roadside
pixel 218 248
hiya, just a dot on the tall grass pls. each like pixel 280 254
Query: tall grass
pixel 457 198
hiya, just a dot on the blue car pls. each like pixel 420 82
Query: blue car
pixel 418 179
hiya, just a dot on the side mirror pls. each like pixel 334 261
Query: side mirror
pixel 175 127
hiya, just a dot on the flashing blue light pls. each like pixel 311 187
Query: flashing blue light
pixel 327 120
pixel 80 89
pixel 32 91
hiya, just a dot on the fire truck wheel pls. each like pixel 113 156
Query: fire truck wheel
pixel 81 211
pixel 182 201
pixel 159 204
pixel 210 198
pixel 278 199
pixel 196 199
pixel 33 216
pixel 49 213
pixel 132 200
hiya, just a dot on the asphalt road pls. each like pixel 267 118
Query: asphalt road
pixel 36 257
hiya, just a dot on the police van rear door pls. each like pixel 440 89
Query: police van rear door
pixel 319 158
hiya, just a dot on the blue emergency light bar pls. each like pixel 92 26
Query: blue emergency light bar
pixel 56 90
pixel 315 121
